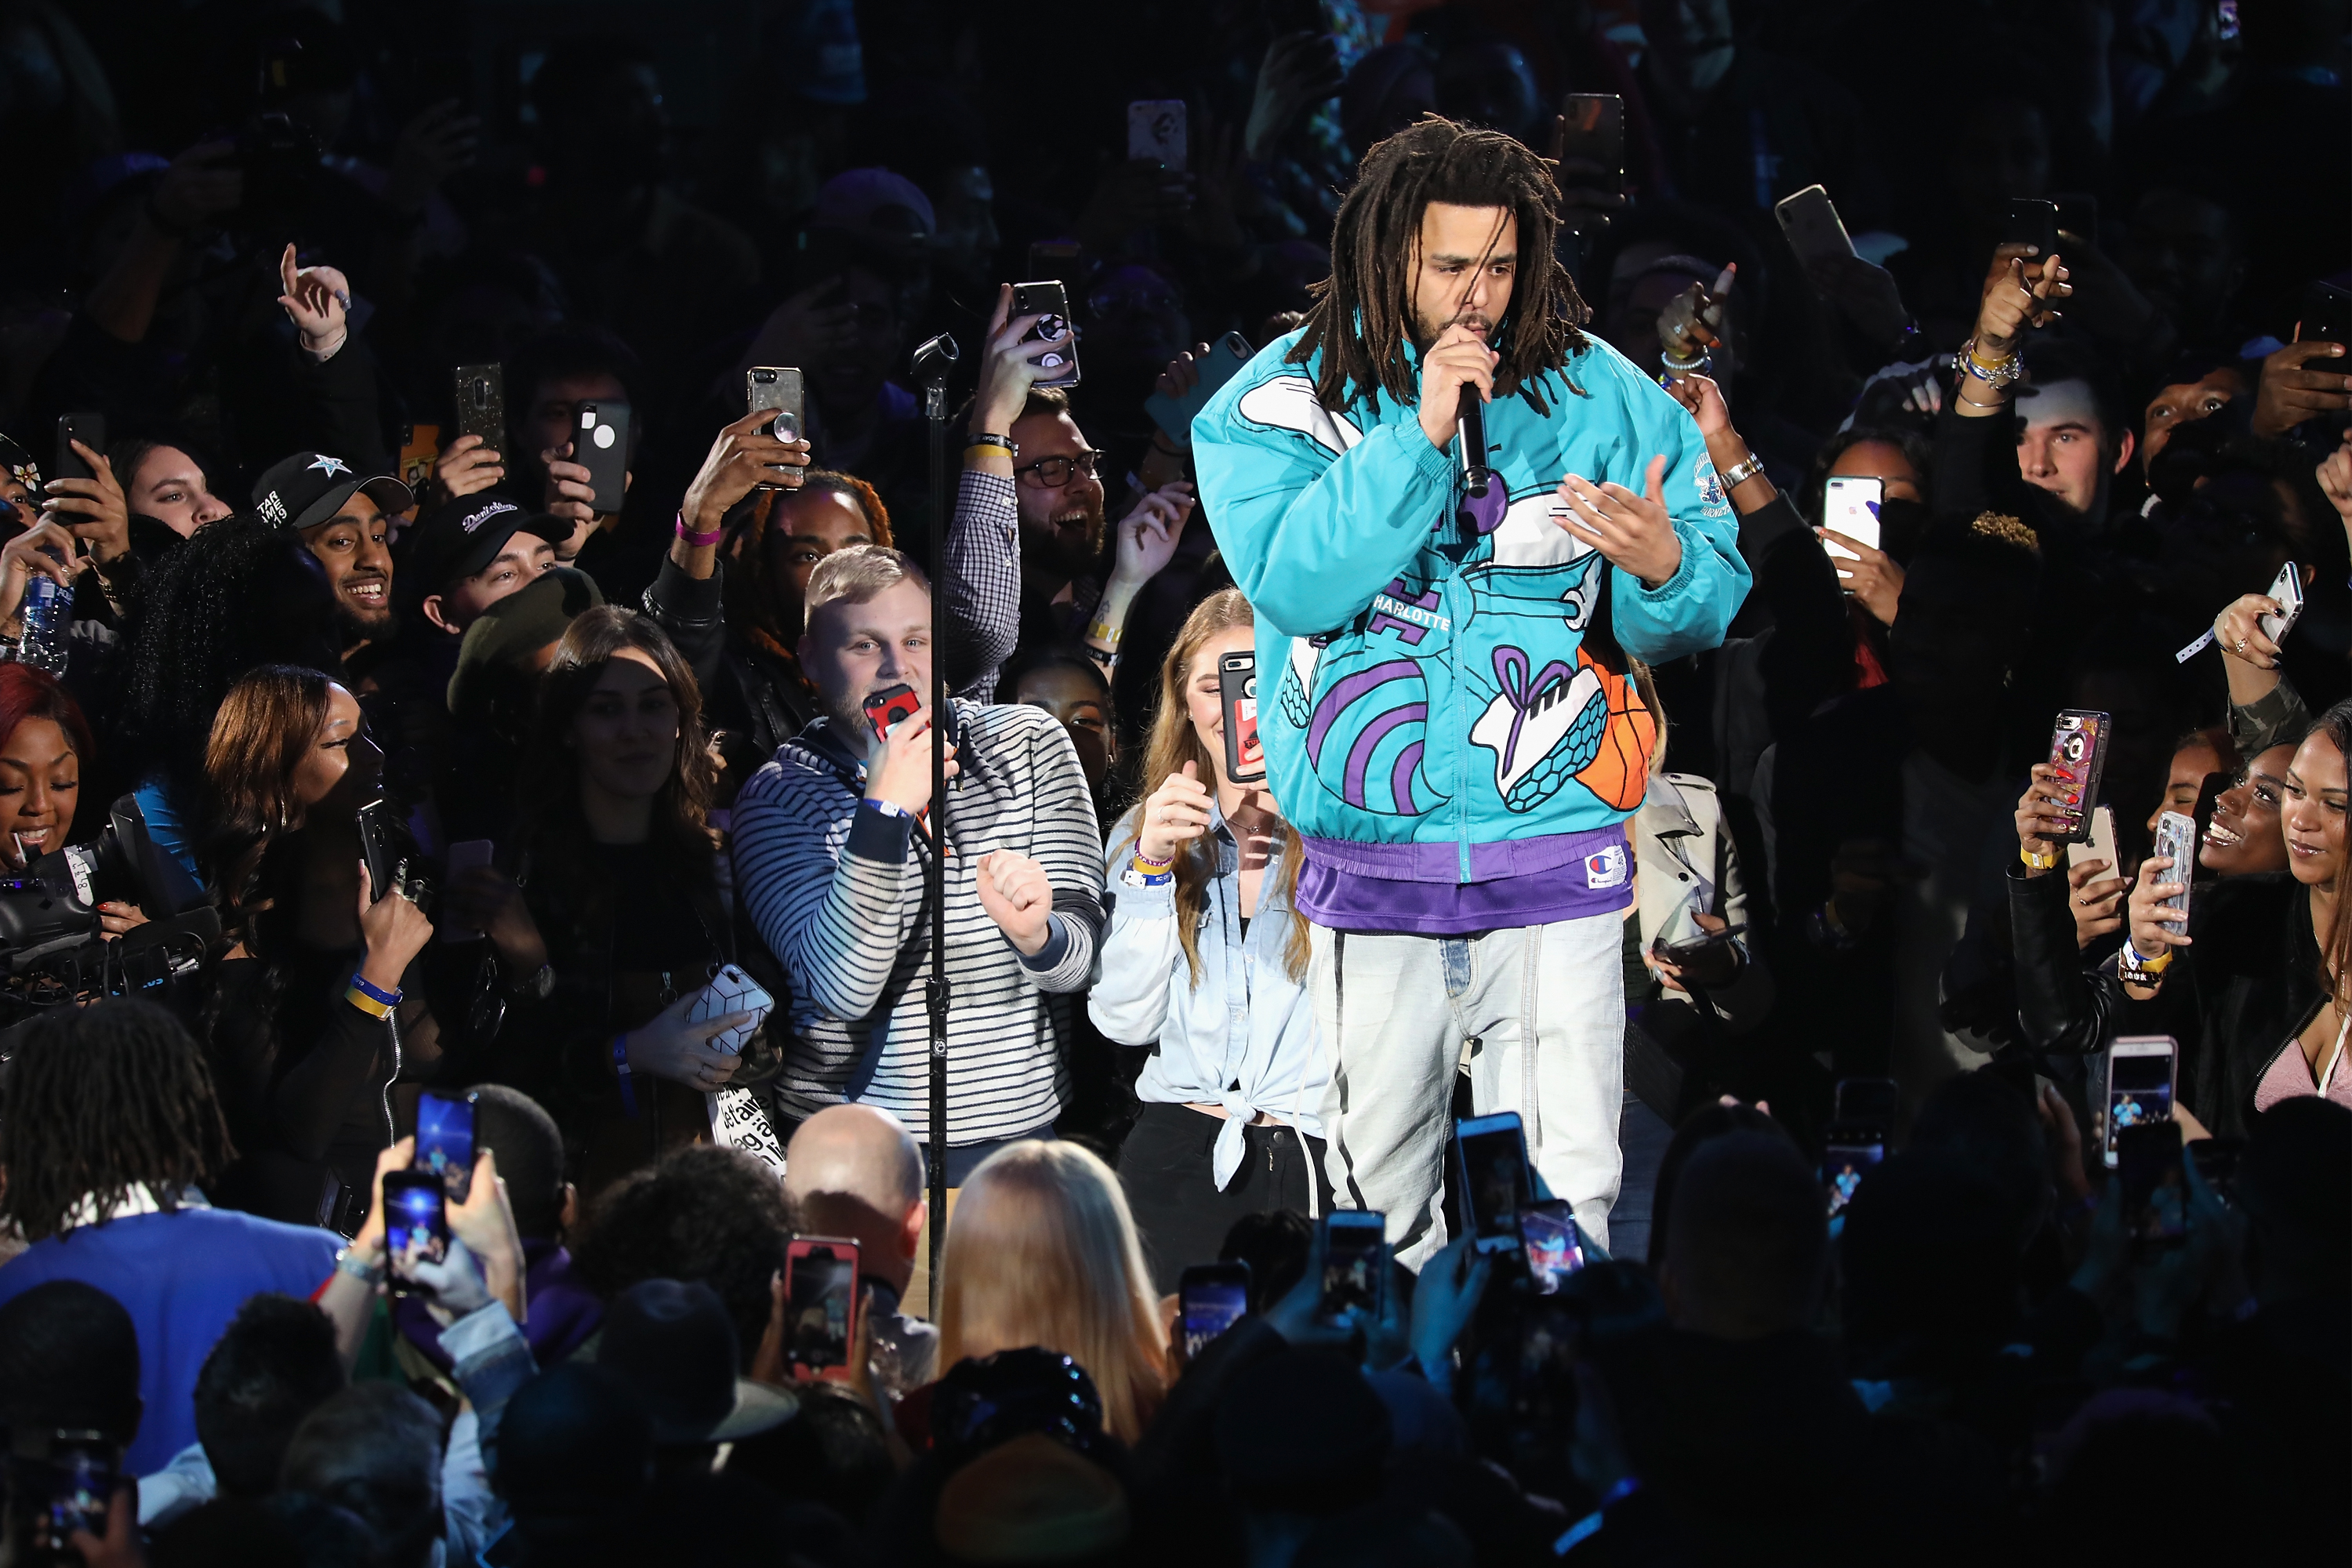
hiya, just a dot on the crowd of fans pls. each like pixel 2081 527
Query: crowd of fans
pixel 445 750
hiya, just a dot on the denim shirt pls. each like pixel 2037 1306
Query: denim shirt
pixel 1244 1037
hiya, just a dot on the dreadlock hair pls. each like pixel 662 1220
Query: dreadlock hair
pixel 753 602
pixel 1362 317
pixel 237 593
pixel 99 1100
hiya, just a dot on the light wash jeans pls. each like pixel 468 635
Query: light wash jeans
pixel 1398 1011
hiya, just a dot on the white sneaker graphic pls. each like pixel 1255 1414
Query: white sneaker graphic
pixel 1542 731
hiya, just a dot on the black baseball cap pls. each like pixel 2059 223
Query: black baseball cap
pixel 309 488
pixel 460 538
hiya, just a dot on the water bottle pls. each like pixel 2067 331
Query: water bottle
pixel 44 612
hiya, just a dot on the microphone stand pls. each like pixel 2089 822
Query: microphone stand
pixel 933 361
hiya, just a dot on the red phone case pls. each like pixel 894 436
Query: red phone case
pixel 884 708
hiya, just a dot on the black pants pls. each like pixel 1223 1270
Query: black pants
pixel 1165 1166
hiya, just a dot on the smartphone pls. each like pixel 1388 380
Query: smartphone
pixel 2141 1072
pixel 2225 20
pixel 1211 1298
pixel 2216 1160
pixel 732 990
pixel 1049 301
pixel 890 705
pixel 415 1226
pixel 1850 505
pixel 1850 1151
pixel 1237 690
pixel 1355 1261
pixel 444 1140
pixel 2177 836
pixel 1866 1101
pixel 2078 214
pixel 1496 1179
pixel 2153 1173
pixel 2078 756
pixel 420 448
pixel 1226 357
pixel 600 443
pixel 465 854
pixel 82 1472
pixel 2029 220
pixel 2287 589
pixel 820 1300
pixel 481 393
pixel 1554 1248
pixel 778 387
pixel 90 429
pixel 2100 846
pixel 1691 947
pixel 376 847
pixel 1155 132
pixel 2326 314
pixel 1593 131
pixel 1809 222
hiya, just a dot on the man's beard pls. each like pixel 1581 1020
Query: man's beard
pixel 357 627
pixel 1067 544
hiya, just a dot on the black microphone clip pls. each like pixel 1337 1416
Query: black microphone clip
pixel 1470 426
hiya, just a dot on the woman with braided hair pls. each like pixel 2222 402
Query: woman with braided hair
pixel 111 1127
pixel 1443 693
pixel 768 700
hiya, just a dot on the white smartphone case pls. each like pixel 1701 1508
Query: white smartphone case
pixel 732 992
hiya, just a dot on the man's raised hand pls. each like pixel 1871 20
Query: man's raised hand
pixel 1459 357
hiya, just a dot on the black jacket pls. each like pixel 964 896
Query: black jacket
pixel 2239 993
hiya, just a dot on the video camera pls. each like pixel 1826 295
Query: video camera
pixel 51 953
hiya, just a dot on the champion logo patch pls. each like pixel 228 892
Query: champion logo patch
pixel 1606 869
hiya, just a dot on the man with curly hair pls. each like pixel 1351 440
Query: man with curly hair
pixel 1446 697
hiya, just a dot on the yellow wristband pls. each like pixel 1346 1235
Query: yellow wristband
pixel 2039 862
pixel 366 1003
pixel 1103 631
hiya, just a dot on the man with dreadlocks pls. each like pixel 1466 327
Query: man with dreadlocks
pixel 1447 700
pixel 110 1123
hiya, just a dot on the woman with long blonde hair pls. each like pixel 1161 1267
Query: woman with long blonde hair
pixel 1041 1251
pixel 1206 955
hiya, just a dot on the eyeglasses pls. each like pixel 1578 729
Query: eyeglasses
pixel 1053 473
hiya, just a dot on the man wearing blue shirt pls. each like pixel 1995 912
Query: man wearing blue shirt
pixel 1448 684
pixel 112 1125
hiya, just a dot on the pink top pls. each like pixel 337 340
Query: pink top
pixel 2289 1075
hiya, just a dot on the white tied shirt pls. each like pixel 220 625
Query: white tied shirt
pixel 1244 1037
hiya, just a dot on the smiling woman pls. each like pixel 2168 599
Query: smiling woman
pixel 618 918
pixel 2253 977
pixel 299 1024
pixel 44 745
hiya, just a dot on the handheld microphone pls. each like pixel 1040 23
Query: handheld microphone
pixel 1470 426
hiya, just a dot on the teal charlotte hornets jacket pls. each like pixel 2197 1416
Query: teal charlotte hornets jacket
pixel 1432 721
